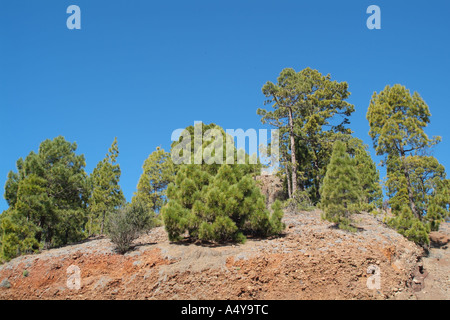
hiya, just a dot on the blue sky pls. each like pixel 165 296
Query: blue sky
pixel 140 69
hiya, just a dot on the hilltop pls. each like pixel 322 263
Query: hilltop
pixel 311 260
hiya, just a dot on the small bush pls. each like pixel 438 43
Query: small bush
pixel 127 224
pixel 26 273
pixel 299 202
pixel 410 227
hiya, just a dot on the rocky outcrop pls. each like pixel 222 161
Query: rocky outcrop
pixel 271 186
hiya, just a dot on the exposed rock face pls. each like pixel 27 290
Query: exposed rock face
pixel 311 260
pixel 271 186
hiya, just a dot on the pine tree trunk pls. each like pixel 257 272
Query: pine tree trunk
pixel 293 159
pixel 103 222
pixel 317 179
pixel 412 205
pixel 90 225
pixel 288 183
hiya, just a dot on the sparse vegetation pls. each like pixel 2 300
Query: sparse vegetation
pixel 52 201
pixel 299 202
pixel 127 223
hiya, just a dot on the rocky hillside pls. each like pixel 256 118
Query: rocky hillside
pixel 312 260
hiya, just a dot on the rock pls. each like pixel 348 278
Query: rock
pixel 439 238
pixel 271 186
pixel 5 284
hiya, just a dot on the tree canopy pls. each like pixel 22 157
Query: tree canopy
pixel 305 109
pixel 47 199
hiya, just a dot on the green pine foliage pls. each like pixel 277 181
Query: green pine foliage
pixel 416 183
pixel 430 186
pixel 158 172
pixel 17 236
pixel 341 189
pixel 219 207
pixel 369 176
pixel 309 108
pixel 106 194
pixel 409 226
pixel 217 202
pixel 213 148
pixel 438 205
pixel 47 199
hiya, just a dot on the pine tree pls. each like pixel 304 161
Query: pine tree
pixel 17 235
pixel 397 120
pixel 410 226
pixel 304 104
pixel 47 199
pixel 415 183
pixel 368 174
pixel 106 195
pixel 341 189
pixel 217 202
pixel 438 205
pixel 158 172
pixel 219 207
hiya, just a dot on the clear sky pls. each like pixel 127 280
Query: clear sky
pixel 140 69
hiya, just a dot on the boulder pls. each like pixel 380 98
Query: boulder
pixel 439 238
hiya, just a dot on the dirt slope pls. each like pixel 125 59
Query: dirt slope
pixel 311 261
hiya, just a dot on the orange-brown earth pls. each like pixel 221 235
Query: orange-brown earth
pixel 311 260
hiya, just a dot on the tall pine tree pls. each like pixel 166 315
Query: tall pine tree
pixel 106 195
pixel 47 199
pixel 397 121
pixel 304 104
pixel 158 172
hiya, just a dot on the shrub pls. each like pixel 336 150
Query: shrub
pixel 410 227
pixel 127 224
pixel 218 207
pixel 299 202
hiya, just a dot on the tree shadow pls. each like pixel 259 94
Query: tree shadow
pixel 72 244
pixel 335 226
pixel 187 241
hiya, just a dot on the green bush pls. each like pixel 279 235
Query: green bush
pixel 127 224
pixel 409 226
pixel 218 207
